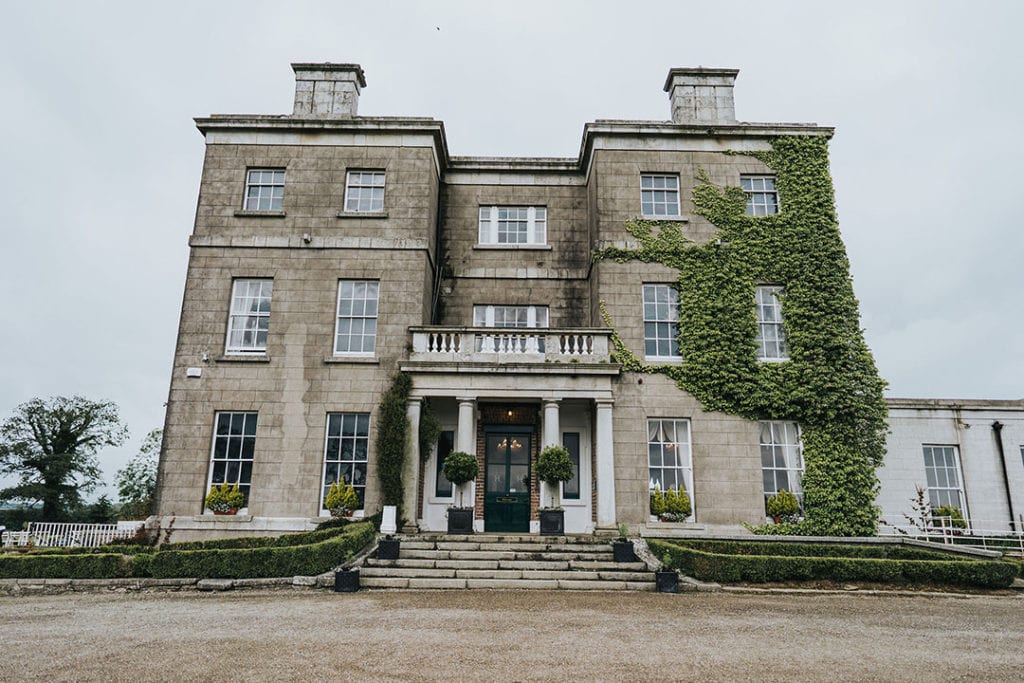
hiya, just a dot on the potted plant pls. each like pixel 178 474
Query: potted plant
pixel 666 578
pixel 677 507
pixel 949 519
pixel 553 467
pixel 225 499
pixel 342 499
pixel 783 507
pixel 346 580
pixel 622 547
pixel 657 502
pixel 388 547
pixel 459 468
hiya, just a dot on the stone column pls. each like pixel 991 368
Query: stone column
pixel 552 437
pixel 605 465
pixel 465 441
pixel 411 472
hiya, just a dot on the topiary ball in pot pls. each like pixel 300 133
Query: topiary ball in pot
pixel 460 467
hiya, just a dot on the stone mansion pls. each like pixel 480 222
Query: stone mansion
pixel 331 251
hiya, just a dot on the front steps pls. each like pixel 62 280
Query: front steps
pixel 507 562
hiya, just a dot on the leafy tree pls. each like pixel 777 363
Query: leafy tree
pixel 136 481
pixel 51 446
pixel 100 512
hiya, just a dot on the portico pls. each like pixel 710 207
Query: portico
pixel 505 411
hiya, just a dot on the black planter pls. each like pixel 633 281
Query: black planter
pixel 346 581
pixel 552 522
pixel 387 549
pixel 460 520
pixel 667 581
pixel 623 551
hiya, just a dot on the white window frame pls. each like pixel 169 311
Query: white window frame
pixel 937 477
pixel 248 316
pixel 650 314
pixel 771 331
pixel 490 315
pixel 534 217
pixel 361 191
pixel 352 315
pixel 653 196
pixel 269 191
pixel 339 462
pixel 229 437
pixel 762 195
pixel 683 452
pixel 782 452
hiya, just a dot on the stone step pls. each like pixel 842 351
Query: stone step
pixel 504 584
pixel 502 555
pixel 410 572
pixel 507 538
pixel 515 547
pixel 577 565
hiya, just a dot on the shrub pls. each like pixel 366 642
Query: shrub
pixel 767 568
pixel 267 561
pixel 225 498
pixel 78 566
pixel 342 499
pixel 677 505
pixel 894 551
pixel 657 502
pixel 783 505
pixel 460 467
pixel 954 518
pixel 554 467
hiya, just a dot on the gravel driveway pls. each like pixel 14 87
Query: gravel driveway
pixel 508 636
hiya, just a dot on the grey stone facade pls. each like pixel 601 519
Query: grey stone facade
pixel 423 249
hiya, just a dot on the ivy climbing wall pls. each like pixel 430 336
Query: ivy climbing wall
pixel 830 385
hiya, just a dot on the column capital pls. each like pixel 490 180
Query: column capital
pixel 551 401
pixel 604 402
pixel 466 399
pixel 414 400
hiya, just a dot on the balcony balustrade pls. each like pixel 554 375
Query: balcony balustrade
pixel 509 345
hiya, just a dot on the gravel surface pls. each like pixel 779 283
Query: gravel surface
pixel 508 636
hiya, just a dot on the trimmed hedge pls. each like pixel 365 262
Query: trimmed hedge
pixel 107 566
pixel 891 551
pixel 305 554
pixel 262 562
pixel 283 541
pixel 724 568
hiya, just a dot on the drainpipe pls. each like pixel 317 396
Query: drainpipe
pixel 997 430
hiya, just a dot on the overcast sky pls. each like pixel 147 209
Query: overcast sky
pixel 102 160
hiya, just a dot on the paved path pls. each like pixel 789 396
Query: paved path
pixel 508 636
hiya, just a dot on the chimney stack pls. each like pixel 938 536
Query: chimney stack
pixel 327 90
pixel 700 96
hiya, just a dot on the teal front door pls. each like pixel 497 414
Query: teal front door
pixel 507 488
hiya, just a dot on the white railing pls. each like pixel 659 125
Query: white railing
pixel 488 344
pixel 68 534
pixel 974 533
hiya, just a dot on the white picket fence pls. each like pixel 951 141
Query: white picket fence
pixel 68 534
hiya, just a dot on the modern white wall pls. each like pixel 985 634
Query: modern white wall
pixel 915 423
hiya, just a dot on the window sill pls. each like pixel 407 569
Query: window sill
pixel 241 213
pixel 243 358
pixel 512 247
pixel 664 360
pixel 209 517
pixel 362 214
pixel 365 360
pixel 666 219
pixel 773 360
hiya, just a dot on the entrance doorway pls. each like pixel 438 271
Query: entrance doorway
pixel 507 479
